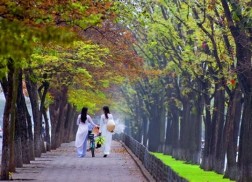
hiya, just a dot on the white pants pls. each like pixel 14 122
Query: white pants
pixel 107 143
pixel 81 151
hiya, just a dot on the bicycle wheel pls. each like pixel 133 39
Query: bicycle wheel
pixel 93 148
pixel 92 143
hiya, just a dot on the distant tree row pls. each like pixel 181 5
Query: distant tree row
pixel 197 84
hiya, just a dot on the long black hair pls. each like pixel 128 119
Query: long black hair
pixel 84 114
pixel 106 111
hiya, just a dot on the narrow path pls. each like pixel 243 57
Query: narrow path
pixel 63 165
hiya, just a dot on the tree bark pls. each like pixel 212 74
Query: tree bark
pixel 185 129
pixel 231 134
pixel 207 158
pixel 21 126
pixel 162 112
pixel 74 127
pixel 26 125
pixel 175 114
pixel 7 85
pixel 196 124
pixel 69 124
pixel 245 144
pixel 12 166
pixel 145 128
pixel 62 118
pixel 30 144
pixel 168 137
pixel 20 117
pixel 57 114
pixel 18 152
pixel 154 127
pixel 218 149
pixel 33 95
pixel 47 130
pixel 54 114
pixel 42 90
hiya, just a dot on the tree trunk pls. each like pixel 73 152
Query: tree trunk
pixel 175 130
pixel 30 143
pixel 33 95
pixel 175 137
pixel 12 166
pixel 218 149
pixel 68 123
pixel 62 118
pixel 21 134
pixel 19 118
pixel 168 136
pixel 245 144
pixel 42 90
pixel 23 123
pixel 184 140
pixel 56 111
pixel 54 114
pixel 145 128
pixel 69 126
pixel 231 134
pixel 138 122
pixel 144 120
pixel 7 85
pixel 153 133
pixel 195 139
pixel 207 158
pixel 47 131
pixel 162 112
pixel 198 130
pixel 18 152
pixel 74 127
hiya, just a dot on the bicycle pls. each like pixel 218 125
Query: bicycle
pixel 92 133
pixel 91 143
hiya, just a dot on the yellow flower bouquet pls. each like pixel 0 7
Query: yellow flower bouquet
pixel 99 141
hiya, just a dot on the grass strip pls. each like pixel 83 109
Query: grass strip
pixel 191 172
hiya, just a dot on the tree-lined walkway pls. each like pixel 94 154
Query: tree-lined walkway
pixel 63 165
pixel 177 74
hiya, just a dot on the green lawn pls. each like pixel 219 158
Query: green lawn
pixel 192 173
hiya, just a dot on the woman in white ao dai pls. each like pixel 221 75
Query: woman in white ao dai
pixel 82 132
pixel 104 132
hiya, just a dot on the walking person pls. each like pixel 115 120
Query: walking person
pixel 104 131
pixel 82 132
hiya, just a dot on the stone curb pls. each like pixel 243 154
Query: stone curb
pixel 144 171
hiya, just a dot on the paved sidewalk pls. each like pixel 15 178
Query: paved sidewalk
pixel 63 165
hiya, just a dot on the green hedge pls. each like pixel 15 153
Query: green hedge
pixel 192 173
